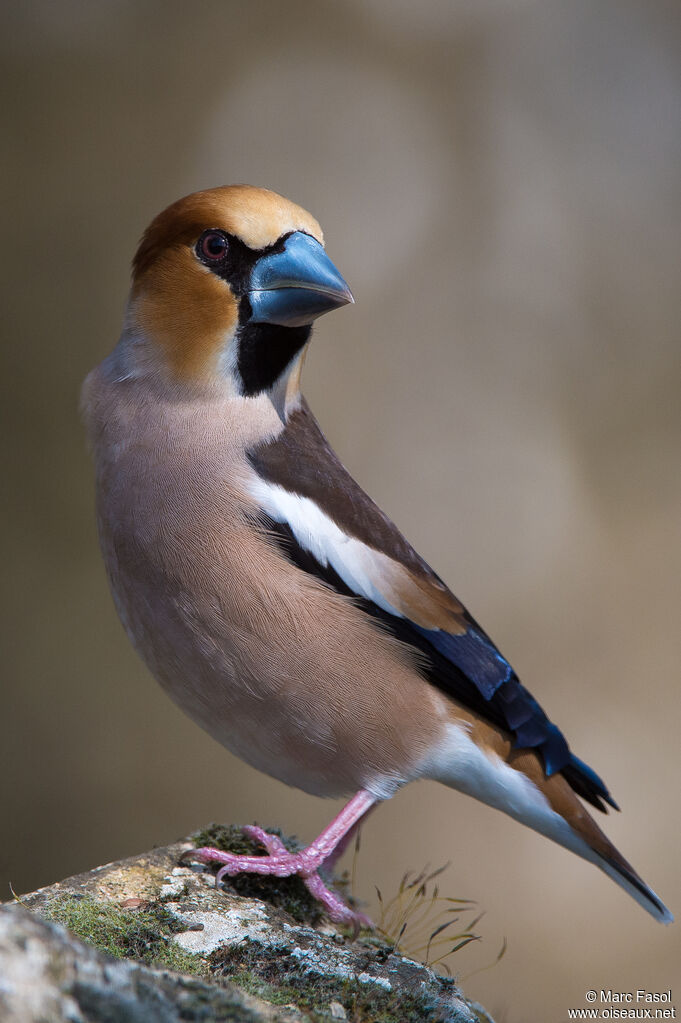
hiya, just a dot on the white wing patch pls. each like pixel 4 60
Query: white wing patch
pixel 364 570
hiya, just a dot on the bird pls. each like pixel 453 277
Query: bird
pixel 273 600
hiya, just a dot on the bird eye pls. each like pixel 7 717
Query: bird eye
pixel 212 246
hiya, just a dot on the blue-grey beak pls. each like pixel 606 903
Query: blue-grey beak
pixel 295 286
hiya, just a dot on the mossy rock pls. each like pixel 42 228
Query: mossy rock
pixel 280 975
pixel 143 933
pixel 245 952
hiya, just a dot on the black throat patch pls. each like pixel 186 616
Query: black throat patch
pixel 264 350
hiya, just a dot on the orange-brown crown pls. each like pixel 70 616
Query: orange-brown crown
pixel 255 215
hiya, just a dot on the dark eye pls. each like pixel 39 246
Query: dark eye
pixel 212 246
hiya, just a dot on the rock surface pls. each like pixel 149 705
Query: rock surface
pixel 163 945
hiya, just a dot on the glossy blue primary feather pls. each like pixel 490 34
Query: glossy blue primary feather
pixel 509 703
pixel 475 655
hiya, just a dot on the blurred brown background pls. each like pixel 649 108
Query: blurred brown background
pixel 500 182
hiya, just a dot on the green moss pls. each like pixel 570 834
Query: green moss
pixel 279 977
pixel 286 893
pixel 144 934
pixel 231 838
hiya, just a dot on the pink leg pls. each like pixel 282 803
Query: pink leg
pixel 281 863
pixel 333 857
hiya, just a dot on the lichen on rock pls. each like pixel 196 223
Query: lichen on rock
pixel 256 949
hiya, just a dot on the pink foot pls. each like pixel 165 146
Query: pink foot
pixel 281 863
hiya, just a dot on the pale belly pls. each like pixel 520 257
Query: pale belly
pixel 281 671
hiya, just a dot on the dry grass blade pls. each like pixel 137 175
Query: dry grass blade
pixel 436 932
pixel 488 966
pixel 418 920
pixel 466 940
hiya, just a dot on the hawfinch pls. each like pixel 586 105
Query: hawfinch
pixel 271 598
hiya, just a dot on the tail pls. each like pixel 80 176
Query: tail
pixel 568 822
pixel 480 761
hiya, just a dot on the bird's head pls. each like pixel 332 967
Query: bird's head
pixel 226 284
